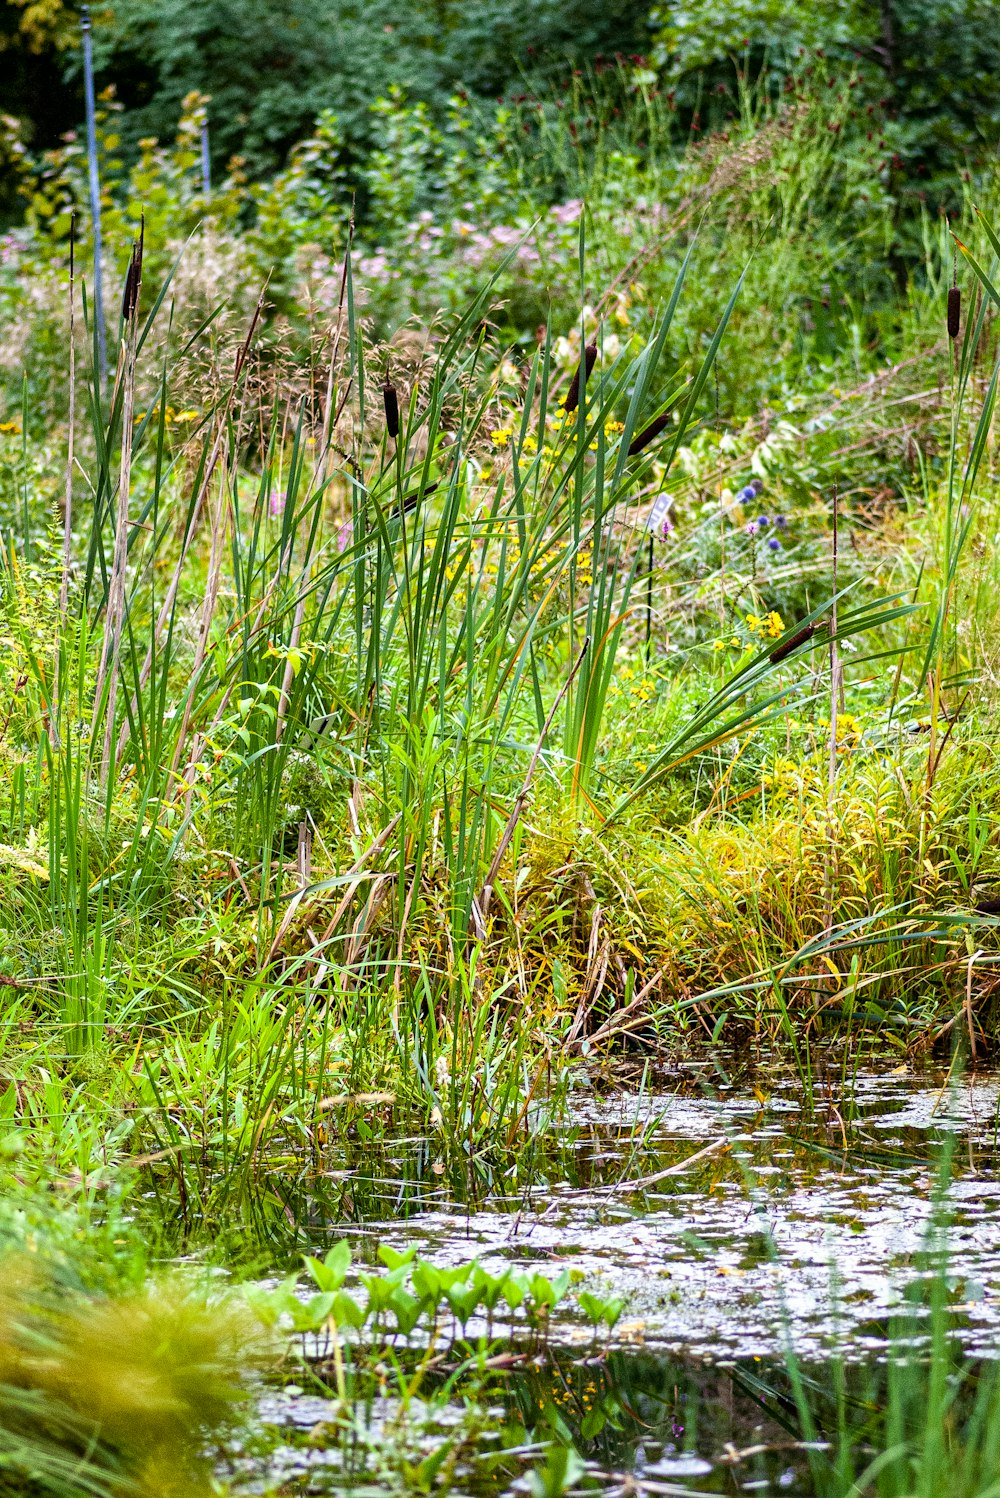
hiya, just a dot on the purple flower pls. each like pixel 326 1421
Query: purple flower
pixel 345 535
pixel 746 495
pixel 763 521
pixel 752 527
pixel 781 521
pixel 567 213
pixel 276 504
pixel 774 544
pixel 666 528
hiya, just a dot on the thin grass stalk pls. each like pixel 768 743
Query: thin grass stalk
pixel 111 650
pixel 219 520
pixel 71 423
pixel 829 877
pixel 192 523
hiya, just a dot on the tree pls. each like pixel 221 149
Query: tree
pixel 271 69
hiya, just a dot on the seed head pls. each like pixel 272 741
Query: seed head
pixel 391 402
pixel 798 638
pixel 954 311
pixel 573 393
pixel 133 278
pixel 648 435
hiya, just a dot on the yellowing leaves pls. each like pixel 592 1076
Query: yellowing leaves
pixel 24 861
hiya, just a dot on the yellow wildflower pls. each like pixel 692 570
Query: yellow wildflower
pixel 501 437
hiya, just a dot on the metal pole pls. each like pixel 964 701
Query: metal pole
pixel 95 193
pixel 206 161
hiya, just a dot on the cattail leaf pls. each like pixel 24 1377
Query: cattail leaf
pixel 646 366
pixel 987 284
pixel 711 724
pixel 989 231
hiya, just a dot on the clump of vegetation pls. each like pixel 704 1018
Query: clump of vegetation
pixel 111 1381
pixel 568 699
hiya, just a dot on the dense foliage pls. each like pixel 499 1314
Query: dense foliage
pixel 524 596
pixel 925 68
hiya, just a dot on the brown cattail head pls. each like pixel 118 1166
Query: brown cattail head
pixel 954 311
pixel 411 500
pixel 573 393
pixel 133 280
pixel 798 638
pixel 649 434
pixel 391 402
pixel 129 294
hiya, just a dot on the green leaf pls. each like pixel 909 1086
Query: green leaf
pixel 406 1308
pixel 426 1282
pixel 613 1308
pixel 348 1312
pixel 591 1306
pixel 490 1287
pixel 380 1292
pixel 338 1260
pixel 592 1424
pixel 311 1316
pixel 463 1300
pixel 393 1260
pixel 515 1288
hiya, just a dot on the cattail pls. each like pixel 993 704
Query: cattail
pixel 798 638
pixel 954 311
pixel 410 501
pixel 128 296
pixel 573 393
pixel 133 280
pixel 391 402
pixel 649 434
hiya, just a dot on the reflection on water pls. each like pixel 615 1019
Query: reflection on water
pixel 735 1223
pixel 637 1420
pixel 778 1215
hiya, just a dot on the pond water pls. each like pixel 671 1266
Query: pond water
pixel 736 1222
